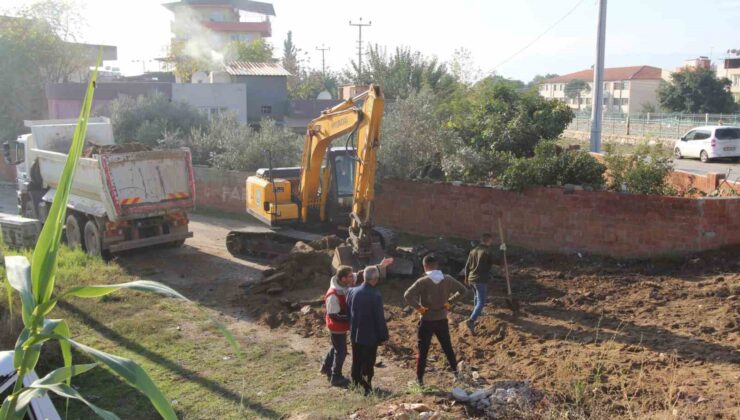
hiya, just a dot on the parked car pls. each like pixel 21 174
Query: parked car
pixel 709 142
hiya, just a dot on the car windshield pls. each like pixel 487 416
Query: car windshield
pixel 728 134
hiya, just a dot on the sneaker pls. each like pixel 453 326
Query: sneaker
pixel 420 381
pixel 471 326
pixel 339 381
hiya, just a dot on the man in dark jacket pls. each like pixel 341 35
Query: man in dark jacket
pixel 478 275
pixel 367 327
pixel 432 296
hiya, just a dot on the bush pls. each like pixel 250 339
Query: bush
pixel 550 165
pixel 643 172
pixel 494 116
pixel 146 119
pixel 468 165
pixel 412 137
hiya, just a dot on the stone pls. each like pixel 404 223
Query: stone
pixel 459 394
pixel 416 407
pixel 306 310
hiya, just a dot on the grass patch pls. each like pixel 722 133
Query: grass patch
pixel 184 354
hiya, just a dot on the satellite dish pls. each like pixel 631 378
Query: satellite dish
pixel 324 95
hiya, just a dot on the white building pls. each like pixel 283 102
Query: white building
pixel 730 68
pixel 626 89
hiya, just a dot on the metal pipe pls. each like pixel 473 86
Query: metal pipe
pixel 598 79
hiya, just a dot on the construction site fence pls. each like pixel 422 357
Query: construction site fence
pixel 660 125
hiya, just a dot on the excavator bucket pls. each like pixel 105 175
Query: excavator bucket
pixel 343 255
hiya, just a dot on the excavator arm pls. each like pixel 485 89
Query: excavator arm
pixel 364 125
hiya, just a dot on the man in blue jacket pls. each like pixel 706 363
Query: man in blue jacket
pixel 367 327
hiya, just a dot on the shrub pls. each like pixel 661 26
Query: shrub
pixel 550 165
pixel 468 165
pixel 145 119
pixel 412 137
pixel 645 171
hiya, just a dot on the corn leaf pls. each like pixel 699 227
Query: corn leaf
pixel 18 271
pixel 24 398
pixel 133 374
pixel 45 254
pixel 9 294
pixel 62 374
pixel 65 391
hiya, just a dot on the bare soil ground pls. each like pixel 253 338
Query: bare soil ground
pixel 602 339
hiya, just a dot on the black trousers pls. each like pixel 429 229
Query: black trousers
pixel 441 330
pixel 363 365
pixel 334 359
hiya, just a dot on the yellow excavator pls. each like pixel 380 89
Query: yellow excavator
pixel 331 192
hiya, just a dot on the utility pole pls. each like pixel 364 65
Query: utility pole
pixel 598 97
pixel 323 50
pixel 359 44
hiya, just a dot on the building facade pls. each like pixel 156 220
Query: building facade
pixel 213 24
pixel 626 89
pixel 730 68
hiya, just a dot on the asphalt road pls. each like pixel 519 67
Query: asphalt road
pixel 721 166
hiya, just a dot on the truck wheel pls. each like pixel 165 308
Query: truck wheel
pixel 93 239
pixel 73 232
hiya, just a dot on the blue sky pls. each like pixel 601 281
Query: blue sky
pixel 662 33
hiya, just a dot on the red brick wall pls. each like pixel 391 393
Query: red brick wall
pixel 684 181
pixel 221 190
pixel 549 219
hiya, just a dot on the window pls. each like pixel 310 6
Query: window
pixel 625 101
pixel 736 80
pixel 588 101
pixel 213 112
pixel 217 17
pixel 619 85
pixel 689 136
pixel 266 109
pixel 606 101
pixel 702 135
pixel 728 134
pixel 345 174
pixel 606 85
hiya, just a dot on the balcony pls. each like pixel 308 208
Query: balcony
pixel 263 28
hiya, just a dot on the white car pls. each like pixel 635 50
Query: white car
pixel 709 142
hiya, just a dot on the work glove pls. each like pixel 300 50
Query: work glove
pixel 422 310
pixel 447 306
pixel 502 247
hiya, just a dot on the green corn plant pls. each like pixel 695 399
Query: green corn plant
pixel 34 282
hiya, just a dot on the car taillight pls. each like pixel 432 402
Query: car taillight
pixel 714 142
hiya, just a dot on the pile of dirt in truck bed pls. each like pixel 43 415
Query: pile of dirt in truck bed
pixel 601 338
pixel 115 149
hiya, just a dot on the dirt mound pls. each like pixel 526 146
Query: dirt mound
pixel 115 149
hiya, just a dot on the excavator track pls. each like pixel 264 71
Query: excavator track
pixel 265 245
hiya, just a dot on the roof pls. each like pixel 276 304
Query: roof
pixel 247 68
pixel 246 5
pixel 612 74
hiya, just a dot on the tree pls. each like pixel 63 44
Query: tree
pixel 257 51
pixel 495 116
pixel 147 119
pixel 35 49
pixel 403 72
pixel 185 64
pixel 574 88
pixel 538 79
pixel 697 91
pixel 463 68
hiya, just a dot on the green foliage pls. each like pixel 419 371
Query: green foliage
pixel 472 166
pixel 146 119
pixel 412 136
pixel 494 116
pixel 305 83
pixel 258 51
pixel 645 171
pixel 550 165
pixel 697 91
pixel 402 72
pixel 33 53
pixel 575 88
pixel 538 79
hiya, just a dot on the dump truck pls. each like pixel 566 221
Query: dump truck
pixel 119 200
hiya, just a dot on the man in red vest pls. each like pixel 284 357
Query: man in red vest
pixel 337 321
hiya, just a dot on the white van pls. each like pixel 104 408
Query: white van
pixel 709 142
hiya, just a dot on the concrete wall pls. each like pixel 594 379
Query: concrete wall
pixel 553 220
pixel 643 92
pixel 262 91
pixel 65 99
pixel 221 190
pixel 220 95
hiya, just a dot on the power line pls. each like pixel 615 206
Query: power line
pixel 573 9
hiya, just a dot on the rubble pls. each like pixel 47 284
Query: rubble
pixel 501 398
pixel 115 149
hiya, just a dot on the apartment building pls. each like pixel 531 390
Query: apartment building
pixel 212 24
pixel 626 89
pixel 730 68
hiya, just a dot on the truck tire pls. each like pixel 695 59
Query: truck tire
pixel 73 232
pixel 93 239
